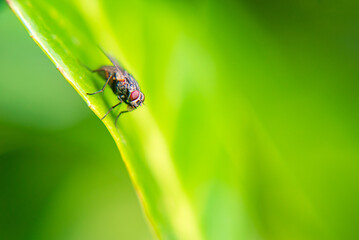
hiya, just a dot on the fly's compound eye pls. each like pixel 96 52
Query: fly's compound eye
pixel 134 95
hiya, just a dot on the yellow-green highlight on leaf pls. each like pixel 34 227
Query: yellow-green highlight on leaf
pixel 156 155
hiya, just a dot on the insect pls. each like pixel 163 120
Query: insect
pixel 123 85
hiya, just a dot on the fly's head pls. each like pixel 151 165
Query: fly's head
pixel 135 96
pixel 136 99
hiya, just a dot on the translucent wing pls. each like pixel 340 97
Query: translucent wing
pixel 113 61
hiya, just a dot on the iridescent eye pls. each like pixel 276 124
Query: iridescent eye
pixel 134 95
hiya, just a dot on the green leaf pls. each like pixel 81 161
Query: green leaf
pixel 69 36
pixel 240 136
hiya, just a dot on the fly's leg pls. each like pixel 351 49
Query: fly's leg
pixel 119 116
pixel 104 86
pixel 111 110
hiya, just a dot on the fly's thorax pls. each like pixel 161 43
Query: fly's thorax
pixel 136 97
pixel 126 87
pixel 123 89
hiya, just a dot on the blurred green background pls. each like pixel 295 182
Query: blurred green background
pixel 254 102
pixel 61 176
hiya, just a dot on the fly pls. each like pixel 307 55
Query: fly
pixel 123 85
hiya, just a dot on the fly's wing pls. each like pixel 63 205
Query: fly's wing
pixel 113 60
pixel 115 63
pixel 119 68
